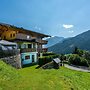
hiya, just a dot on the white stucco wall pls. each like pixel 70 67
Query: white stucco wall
pixel 28 61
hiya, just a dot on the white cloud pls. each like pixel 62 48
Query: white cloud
pixel 53 36
pixel 67 26
pixel 71 31
pixel 38 28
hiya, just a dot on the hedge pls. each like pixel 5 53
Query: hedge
pixel 45 59
pixel 48 54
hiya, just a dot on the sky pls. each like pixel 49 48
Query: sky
pixel 64 18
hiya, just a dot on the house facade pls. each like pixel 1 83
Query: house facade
pixel 30 43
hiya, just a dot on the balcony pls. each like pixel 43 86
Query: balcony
pixel 42 50
pixel 42 41
pixel 39 50
pixel 27 50
pixel 25 37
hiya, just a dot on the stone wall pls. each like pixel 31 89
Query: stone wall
pixel 14 61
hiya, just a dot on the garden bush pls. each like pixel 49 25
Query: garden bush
pixel 45 59
pixel 78 51
pixel 77 60
pixel 48 54
pixel 87 56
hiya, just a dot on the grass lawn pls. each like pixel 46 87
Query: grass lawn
pixel 30 78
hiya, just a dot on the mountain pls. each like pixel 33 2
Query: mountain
pixel 53 40
pixel 81 41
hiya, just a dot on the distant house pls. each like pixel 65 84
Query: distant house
pixel 29 42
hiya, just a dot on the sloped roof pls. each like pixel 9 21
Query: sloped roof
pixel 2 47
pixel 25 30
pixel 57 60
pixel 4 42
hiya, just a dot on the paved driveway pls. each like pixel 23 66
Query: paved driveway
pixel 83 69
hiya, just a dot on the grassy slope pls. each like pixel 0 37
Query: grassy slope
pixel 37 79
pixel 8 76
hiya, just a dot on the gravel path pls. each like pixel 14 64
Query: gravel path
pixel 78 68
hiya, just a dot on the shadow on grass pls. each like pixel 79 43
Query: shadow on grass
pixel 37 67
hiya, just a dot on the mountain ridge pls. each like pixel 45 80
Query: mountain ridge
pixel 54 40
pixel 67 46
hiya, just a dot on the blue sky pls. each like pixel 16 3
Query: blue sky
pixel 65 18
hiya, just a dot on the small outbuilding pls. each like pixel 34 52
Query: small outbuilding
pixel 8 48
pixel 56 63
pixel 9 45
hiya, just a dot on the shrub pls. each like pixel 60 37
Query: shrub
pixel 45 59
pixel 87 56
pixel 75 50
pixel 77 60
pixel 78 51
pixel 48 54
pixel 84 62
pixel 62 57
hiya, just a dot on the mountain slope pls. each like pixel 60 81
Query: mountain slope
pixel 53 40
pixel 81 41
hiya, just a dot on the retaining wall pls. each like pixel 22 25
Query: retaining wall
pixel 14 61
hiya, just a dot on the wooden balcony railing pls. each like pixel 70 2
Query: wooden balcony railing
pixel 34 50
pixel 39 50
pixel 23 36
pixel 42 41
pixel 42 50
pixel 28 50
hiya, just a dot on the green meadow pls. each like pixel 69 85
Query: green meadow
pixel 30 78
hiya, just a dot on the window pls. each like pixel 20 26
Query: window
pixel 27 57
pixel 14 35
pixel 11 35
pixel 29 45
pixel 34 45
pixel 23 46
